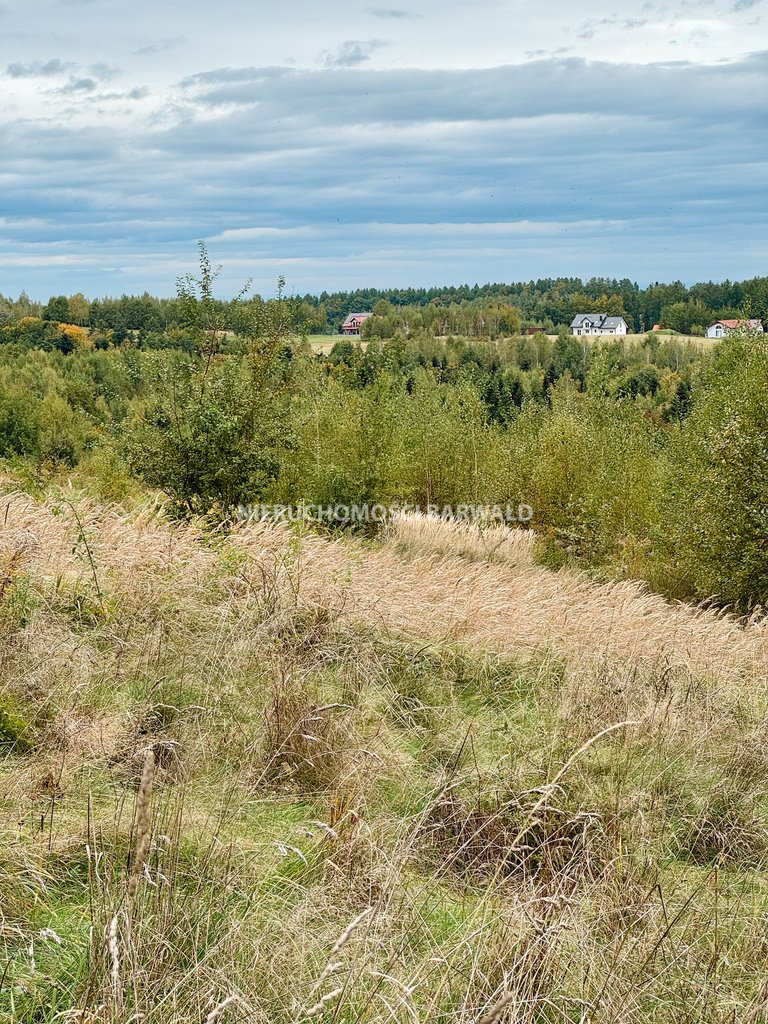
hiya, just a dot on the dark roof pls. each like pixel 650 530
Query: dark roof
pixel 597 320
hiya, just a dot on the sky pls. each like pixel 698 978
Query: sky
pixel 344 145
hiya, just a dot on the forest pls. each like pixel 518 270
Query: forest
pixel 549 303
pixel 642 458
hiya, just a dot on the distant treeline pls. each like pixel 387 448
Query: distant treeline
pixel 554 302
pixel 471 310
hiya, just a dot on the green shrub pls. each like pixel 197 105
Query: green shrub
pixel 15 731
pixel 595 483
pixel 208 438
pixel 19 421
pixel 715 529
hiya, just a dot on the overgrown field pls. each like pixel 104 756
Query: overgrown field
pixel 270 776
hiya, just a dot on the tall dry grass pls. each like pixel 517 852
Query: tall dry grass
pixel 272 776
pixel 513 608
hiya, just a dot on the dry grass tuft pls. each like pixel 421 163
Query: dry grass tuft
pixel 521 836
pixel 306 744
pixel 143 823
pixel 476 542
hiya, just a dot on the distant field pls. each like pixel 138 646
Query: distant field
pixel 323 343
pixel 672 336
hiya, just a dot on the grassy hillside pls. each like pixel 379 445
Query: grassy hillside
pixel 273 777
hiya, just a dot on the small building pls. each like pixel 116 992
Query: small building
pixel 598 323
pixel 353 323
pixel 722 327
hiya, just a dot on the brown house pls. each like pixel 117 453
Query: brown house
pixel 354 322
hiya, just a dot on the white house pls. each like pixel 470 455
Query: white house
pixel 598 323
pixel 722 327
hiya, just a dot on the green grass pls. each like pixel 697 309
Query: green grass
pixel 323 342
pixel 348 824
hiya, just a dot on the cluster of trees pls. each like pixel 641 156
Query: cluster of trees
pixel 13 310
pixel 511 371
pixel 552 302
pixel 643 459
pixel 473 319
pixel 48 335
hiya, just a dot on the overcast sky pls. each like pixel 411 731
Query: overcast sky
pixel 343 145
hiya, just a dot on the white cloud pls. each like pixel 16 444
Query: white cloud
pixel 476 144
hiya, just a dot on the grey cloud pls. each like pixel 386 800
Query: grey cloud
pixel 589 28
pixel 559 52
pixel 218 76
pixel 40 69
pixel 56 68
pixel 572 143
pixel 159 46
pixel 352 53
pixel 103 72
pixel 390 13
pixel 564 86
pixel 140 92
pixel 558 145
pixel 744 5
pixel 78 85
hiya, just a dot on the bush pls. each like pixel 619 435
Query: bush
pixel 15 732
pixel 63 434
pixel 596 480
pixel 208 440
pixel 715 531
pixel 214 431
pixel 19 421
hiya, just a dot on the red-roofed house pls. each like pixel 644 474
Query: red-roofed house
pixel 354 322
pixel 722 327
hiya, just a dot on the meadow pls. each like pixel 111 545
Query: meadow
pixel 432 769
pixel 277 776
